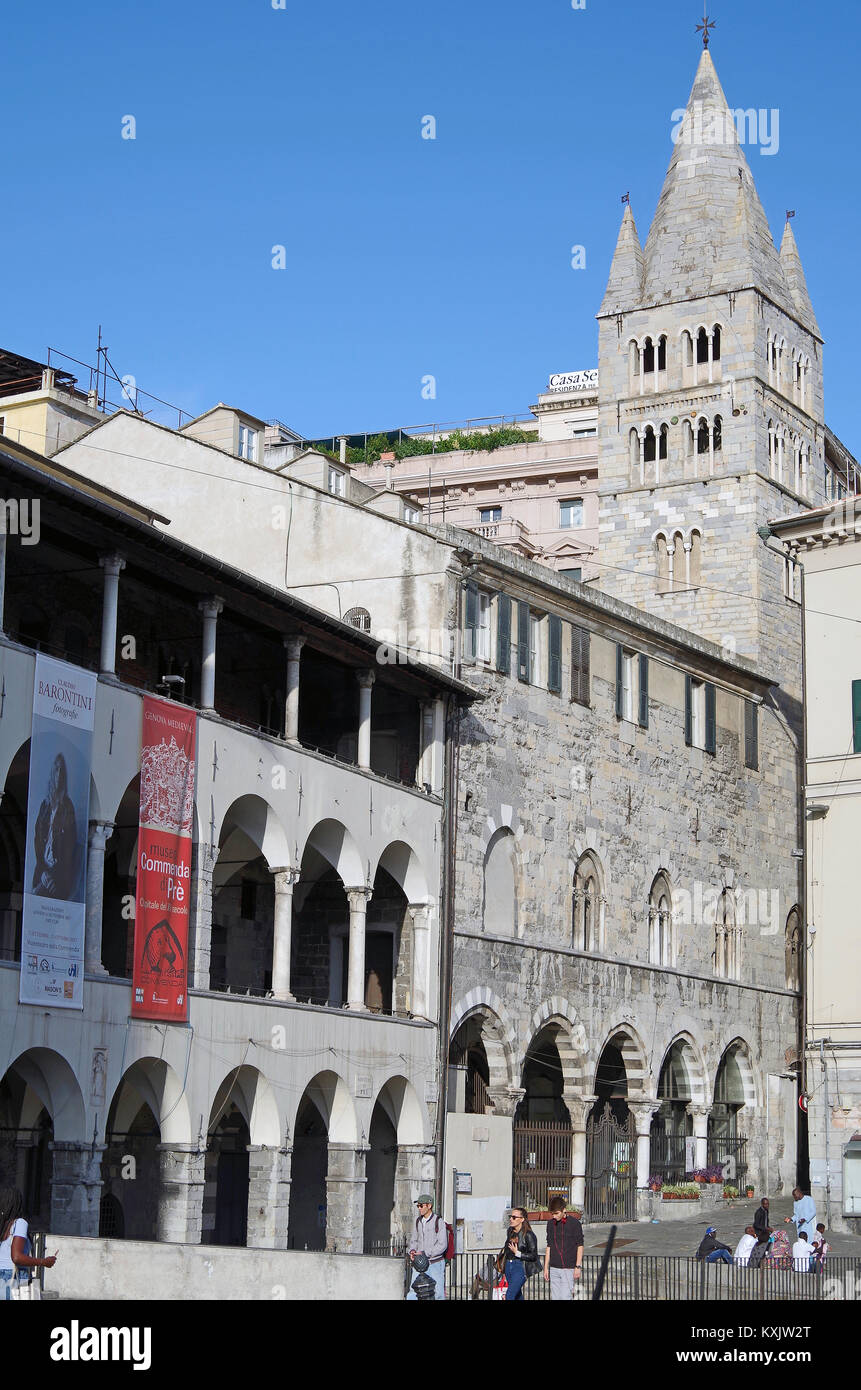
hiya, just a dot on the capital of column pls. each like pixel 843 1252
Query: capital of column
pixel 505 1099
pixel 100 831
pixel 358 898
pixel 579 1108
pixel 419 911
pixel 643 1111
pixel 698 1112
pixel 365 679
pixel 285 879
pixel 294 647
pixel 112 564
pixel 212 606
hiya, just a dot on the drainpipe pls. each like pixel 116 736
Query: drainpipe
pixel 827 1127
pixel 450 802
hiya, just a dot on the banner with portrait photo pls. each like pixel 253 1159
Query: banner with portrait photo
pixel 160 980
pixel 55 860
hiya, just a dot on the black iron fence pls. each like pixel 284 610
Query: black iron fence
pixel 671 1278
pixel 542 1163
pixel 730 1151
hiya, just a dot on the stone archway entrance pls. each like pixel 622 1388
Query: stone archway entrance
pixel 542 1128
pixel 611 1143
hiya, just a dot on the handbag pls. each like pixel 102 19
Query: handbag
pixel 29 1292
pixel 500 1290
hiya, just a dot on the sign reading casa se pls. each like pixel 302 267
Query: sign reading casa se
pixel 574 381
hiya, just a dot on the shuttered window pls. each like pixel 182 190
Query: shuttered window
pixel 689 711
pixel 856 716
pixel 503 634
pixel 644 692
pixel 470 623
pixel 580 683
pixel 523 642
pixel 711 720
pixel 554 653
pixel 751 735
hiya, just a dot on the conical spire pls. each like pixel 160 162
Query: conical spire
pixel 710 233
pixel 791 262
pixel 625 285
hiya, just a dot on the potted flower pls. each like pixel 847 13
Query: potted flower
pixel 656 1182
pixel 729 1190
pixel 714 1173
pixel 748 1191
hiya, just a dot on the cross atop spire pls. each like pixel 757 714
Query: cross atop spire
pixel 704 28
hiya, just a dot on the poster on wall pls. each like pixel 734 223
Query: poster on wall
pixel 160 978
pixel 55 858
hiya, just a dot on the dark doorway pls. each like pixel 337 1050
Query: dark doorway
pixel 307 1229
pixel 230 1141
pixel 380 1185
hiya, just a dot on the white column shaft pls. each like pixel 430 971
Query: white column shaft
pixel 358 900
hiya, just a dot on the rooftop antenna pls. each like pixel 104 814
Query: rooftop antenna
pixel 704 28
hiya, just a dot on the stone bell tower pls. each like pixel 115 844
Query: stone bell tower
pixel 710 398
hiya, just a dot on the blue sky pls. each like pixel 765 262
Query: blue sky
pixel 405 257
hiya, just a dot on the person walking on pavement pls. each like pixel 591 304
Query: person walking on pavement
pixel 521 1254
pixel 563 1254
pixel 430 1236
pixel 803 1214
pixel 761 1217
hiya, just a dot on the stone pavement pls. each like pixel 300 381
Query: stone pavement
pixel 683 1237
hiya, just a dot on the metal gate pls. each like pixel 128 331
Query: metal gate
pixel 542 1164
pixel 611 1168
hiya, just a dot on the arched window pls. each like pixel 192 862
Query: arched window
pixel 716 343
pixel 717 435
pixel 662 353
pixel 663 441
pixel 688 441
pixel 634 365
pixel 358 617
pixel 695 560
pixel 648 357
pixel 665 579
pixel 678 561
pixel 702 347
pixel 649 445
pixel 500 885
pixel 703 433
pixel 727 950
pixel 792 943
pixel 635 450
pixel 587 932
pixel 661 939
pixel 687 346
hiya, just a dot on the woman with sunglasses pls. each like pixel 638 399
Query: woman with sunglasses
pixel 520 1254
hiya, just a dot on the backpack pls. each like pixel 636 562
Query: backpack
pixel 449 1249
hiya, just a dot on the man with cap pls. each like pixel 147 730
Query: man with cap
pixel 430 1237
pixel 712 1250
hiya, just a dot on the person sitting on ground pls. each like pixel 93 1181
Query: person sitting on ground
pixel 780 1251
pixel 712 1250
pixel 820 1251
pixel 760 1250
pixel 745 1246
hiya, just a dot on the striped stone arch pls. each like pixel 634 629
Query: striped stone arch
pixel 628 1041
pixel 739 1049
pixel 507 819
pixel 570 1039
pixel 690 1058
pixel 500 1044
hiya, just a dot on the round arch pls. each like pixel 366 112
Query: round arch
pixel 52 1080
pixel 152 1081
pixel 330 1095
pixel 683 1072
pixel 259 823
pixel 403 863
pixel 627 1041
pixel 397 1097
pixel 252 1094
pixel 570 1039
pixel 498 1037
pixel 332 841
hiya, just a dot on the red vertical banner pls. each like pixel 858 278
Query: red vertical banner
pixel 160 983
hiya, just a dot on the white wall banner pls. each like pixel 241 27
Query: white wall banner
pixel 55 866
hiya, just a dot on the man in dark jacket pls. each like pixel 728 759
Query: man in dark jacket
pixel 563 1255
pixel 712 1250
pixel 761 1217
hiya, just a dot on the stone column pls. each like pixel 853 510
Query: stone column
pixel 420 916
pixel 366 681
pixel 505 1099
pixel 76 1188
pixel 284 881
pixel 579 1110
pixel 210 608
pixel 99 834
pixel 200 915
pixel 180 1201
pixel 294 647
pixel 112 565
pixel 700 1115
pixel 643 1111
pixel 268 1197
pixel 358 899
pixel 345 1199
pixel 415 1172
pixel 438 759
